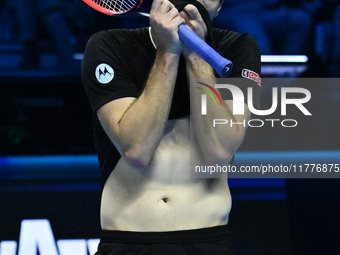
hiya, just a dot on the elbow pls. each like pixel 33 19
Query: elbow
pixel 137 158
pixel 220 156
pixel 223 151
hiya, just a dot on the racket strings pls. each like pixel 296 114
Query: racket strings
pixel 117 5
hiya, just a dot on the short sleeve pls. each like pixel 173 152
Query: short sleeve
pixel 245 54
pixel 105 73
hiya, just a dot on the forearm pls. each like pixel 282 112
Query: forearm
pixel 141 127
pixel 217 143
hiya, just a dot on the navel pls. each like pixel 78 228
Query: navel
pixel 165 199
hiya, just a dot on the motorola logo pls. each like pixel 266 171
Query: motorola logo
pixel 104 73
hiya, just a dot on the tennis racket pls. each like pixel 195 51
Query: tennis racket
pixel 222 65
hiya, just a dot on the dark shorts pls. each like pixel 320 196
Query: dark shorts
pixel 205 241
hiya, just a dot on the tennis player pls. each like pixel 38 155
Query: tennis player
pixel 140 87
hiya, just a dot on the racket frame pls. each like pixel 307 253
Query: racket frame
pixel 107 11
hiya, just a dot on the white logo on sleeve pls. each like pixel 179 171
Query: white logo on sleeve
pixel 104 73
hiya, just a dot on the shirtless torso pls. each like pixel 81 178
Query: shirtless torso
pixel 165 196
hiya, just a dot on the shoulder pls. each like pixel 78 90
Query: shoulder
pixel 232 40
pixel 118 37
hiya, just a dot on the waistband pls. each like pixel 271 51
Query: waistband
pixel 210 234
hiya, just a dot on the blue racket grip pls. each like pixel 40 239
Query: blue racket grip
pixel 222 65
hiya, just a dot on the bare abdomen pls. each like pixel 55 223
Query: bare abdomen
pixel 164 196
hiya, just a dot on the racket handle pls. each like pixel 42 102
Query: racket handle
pixel 222 65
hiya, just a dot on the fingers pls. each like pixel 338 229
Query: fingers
pixel 155 5
pixel 185 16
pixel 164 21
pixel 162 6
pixel 178 20
pixel 172 13
pixel 194 20
pixel 165 7
pixel 192 12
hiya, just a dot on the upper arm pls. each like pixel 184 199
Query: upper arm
pixel 107 81
pixel 105 71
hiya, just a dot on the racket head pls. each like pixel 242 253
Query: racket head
pixel 113 7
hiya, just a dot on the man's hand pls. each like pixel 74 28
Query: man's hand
pixel 194 21
pixel 165 20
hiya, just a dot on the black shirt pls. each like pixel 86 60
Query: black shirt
pixel 117 64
